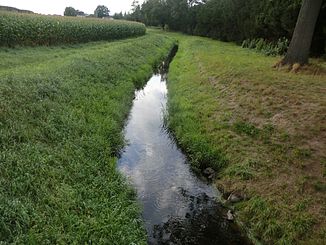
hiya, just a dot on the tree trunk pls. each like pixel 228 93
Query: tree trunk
pixel 301 40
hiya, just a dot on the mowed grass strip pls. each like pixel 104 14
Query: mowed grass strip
pixel 261 128
pixel 61 122
pixel 18 29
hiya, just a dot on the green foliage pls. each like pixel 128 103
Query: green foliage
pixel 184 126
pixel 70 11
pixel 244 171
pixel 235 20
pixel 269 48
pixel 61 120
pixel 33 30
pixel 118 16
pixel 246 128
pixel 264 218
pixel 320 186
pixel 101 11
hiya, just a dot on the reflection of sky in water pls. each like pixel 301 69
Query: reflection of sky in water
pixel 152 161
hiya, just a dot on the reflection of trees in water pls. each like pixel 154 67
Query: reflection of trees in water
pixel 205 223
pixel 164 66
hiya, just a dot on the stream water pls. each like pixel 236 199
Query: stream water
pixel 178 207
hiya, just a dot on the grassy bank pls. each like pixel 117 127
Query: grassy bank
pixel 262 129
pixel 62 111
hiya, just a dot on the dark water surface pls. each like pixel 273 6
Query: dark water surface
pixel 178 207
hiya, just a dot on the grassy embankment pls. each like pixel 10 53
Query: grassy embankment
pixel 263 130
pixel 62 111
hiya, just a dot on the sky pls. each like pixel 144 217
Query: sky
pixel 58 6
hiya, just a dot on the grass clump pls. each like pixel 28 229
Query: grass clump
pixel 267 47
pixel 61 120
pixel 32 30
pixel 266 125
pixel 246 128
pixel 320 186
pixel 244 171
pixel 263 218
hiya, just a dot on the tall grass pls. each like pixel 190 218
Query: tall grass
pixel 33 30
pixel 266 47
pixel 61 119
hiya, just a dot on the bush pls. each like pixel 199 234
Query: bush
pixel 33 30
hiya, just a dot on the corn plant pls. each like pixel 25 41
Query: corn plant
pixel 34 30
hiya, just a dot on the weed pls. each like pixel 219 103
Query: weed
pixel 320 186
pixel 246 128
pixel 302 205
pixel 269 48
pixel 244 170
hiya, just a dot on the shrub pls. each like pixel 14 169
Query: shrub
pixel 33 30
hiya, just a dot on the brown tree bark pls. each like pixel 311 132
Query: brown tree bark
pixel 299 48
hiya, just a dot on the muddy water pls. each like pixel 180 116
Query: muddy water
pixel 178 207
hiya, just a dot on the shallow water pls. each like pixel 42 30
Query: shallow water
pixel 178 207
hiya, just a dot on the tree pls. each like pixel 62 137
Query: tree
pixel 101 11
pixel 299 48
pixel 70 11
pixel 232 20
pixel 118 16
pixel 134 5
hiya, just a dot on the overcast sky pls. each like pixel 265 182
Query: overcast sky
pixel 58 6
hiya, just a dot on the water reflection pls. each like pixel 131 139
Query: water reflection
pixel 174 200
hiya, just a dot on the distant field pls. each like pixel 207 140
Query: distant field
pixel 62 111
pixel 33 30
pixel 7 8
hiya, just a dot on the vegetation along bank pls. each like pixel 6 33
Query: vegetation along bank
pixel 268 24
pixel 262 129
pixel 62 111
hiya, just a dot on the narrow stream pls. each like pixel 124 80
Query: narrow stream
pixel 178 207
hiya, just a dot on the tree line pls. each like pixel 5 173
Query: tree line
pixel 100 12
pixel 229 20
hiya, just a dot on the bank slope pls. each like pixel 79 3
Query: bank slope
pixel 62 111
pixel 262 129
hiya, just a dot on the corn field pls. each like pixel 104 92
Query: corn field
pixel 33 30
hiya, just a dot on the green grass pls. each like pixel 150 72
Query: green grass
pixel 62 111
pixel 33 30
pixel 261 128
